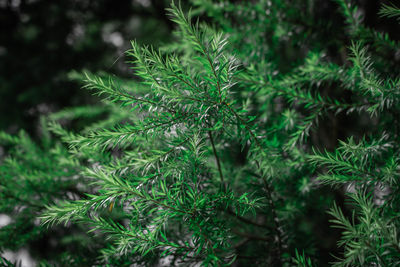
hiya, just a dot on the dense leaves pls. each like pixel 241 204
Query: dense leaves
pixel 223 153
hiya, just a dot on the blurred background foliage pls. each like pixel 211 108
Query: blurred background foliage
pixel 41 41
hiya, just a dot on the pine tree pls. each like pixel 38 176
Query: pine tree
pixel 218 153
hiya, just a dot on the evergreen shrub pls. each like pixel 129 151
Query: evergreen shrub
pixel 259 136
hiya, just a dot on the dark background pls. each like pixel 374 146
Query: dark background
pixel 41 41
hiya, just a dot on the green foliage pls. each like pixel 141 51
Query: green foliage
pixel 49 178
pixel 389 11
pixel 228 149
pixel 302 260
pixel 373 240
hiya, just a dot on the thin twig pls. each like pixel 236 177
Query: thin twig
pixel 251 236
pixel 245 220
pixel 278 229
pixel 217 159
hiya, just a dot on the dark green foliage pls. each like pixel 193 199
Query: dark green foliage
pixel 242 140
